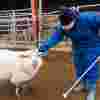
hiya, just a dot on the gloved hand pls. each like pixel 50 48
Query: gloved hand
pixel 39 52
pixel 42 50
pixel 43 54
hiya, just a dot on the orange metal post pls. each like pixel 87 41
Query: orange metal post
pixel 34 19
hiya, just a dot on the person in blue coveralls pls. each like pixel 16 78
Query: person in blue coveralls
pixel 83 29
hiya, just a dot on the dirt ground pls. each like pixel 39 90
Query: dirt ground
pixel 49 83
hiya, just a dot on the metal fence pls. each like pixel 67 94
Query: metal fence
pixel 16 25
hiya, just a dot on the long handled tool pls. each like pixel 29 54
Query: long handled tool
pixel 65 95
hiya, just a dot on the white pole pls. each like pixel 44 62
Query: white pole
pixel 13 21
pixel 65 95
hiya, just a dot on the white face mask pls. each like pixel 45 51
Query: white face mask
pixel 70 26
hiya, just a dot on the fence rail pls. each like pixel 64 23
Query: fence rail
pixel 17 24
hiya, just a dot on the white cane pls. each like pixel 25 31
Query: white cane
pixel 65 95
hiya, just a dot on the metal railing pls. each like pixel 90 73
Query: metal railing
pixel 17 24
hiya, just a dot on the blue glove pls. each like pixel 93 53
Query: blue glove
pixel 43 54
pixel 43 48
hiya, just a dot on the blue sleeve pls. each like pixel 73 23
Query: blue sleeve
pixel 54 39
pixel 93 19
pixel 98 19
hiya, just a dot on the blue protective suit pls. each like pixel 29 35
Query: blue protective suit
pixel 85 38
